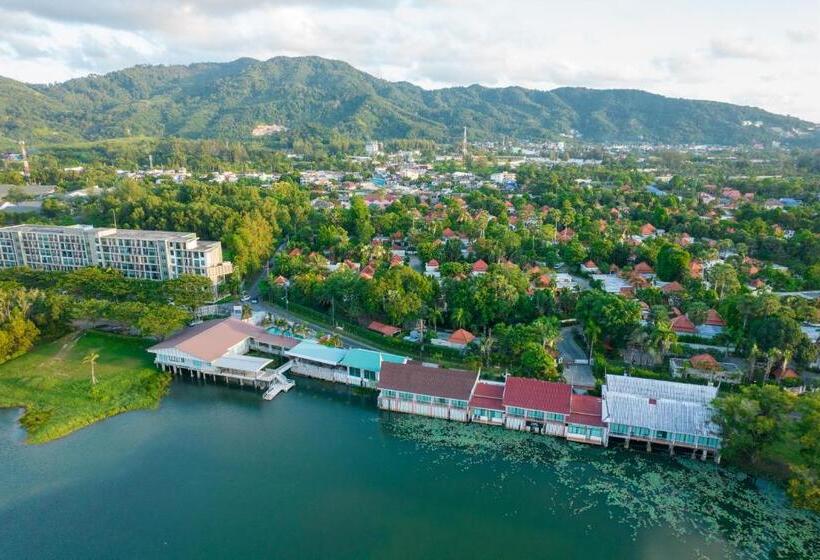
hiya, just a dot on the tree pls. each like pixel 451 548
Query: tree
pixel 672 263
pixel 537 362
pixel 752 419
pixel 189 291
pixel 91 358
pixel 724 280
pixel 610 315
pixel 359 224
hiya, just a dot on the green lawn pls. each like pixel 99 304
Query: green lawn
pixel 54 386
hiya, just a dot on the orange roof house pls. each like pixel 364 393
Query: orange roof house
pixel 704 361
pixel 682 325
pixel 386 330
pixel 647 230
pixel 479 267
pixel 672 288
pixel 461 336
pixel 714 319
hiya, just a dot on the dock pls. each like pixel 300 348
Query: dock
pixel 277 382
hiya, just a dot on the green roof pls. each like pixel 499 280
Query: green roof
pixel 368 359
pixel 317 353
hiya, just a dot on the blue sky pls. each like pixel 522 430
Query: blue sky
pixel 752 52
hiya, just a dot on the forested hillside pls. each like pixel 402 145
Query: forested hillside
pixel 311 95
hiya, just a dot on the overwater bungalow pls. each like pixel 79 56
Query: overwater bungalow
pixel 219 349
pixel 536 406
pixel 666 413
pixel 486 404
pixel 428 391
pixel 352 366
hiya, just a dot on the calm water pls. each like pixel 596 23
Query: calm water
pixel 320 473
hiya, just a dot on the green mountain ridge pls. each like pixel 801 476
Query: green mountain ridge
pixel 312 94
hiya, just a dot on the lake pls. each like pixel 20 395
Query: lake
pixel 319 472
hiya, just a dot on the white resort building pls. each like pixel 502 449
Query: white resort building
pixel 149 255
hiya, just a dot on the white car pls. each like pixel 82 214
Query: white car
pixel 245 298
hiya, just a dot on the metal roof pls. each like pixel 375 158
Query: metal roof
pixel 659 405
pixel 242 363
pixel 317 353
pixel 368 359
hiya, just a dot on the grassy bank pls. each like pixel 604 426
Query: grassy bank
pixel 54 386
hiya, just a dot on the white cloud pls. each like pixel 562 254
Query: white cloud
pixel 682 48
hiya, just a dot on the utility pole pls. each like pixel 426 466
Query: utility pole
pixel 420 328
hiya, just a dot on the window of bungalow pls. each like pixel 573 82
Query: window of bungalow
pixel 494 413
pixel 441 400
pixel 479 412
pixel 370 375
pixel 535 414
pixel 577 430
pixel 424 399
pixel 354 372
pixel 389 394
pixel 405 396
pixel 596 432
pixel 458 404
pixel 515 411
pixel 660 434
pixel 713 442
pixel 555 417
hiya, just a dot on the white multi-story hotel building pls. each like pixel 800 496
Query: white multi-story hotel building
pixel 151 255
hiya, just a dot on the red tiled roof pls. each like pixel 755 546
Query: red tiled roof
pixel 585 410
pixel 713 318
pixel 413 377
pixel 704 361
pixel 461 336
pixel 643 268
pixel 488 395
pixel 280 280
pixel 681 323
pixel 479 266
pixel 535 394
pixel 672 287
pixel 432 262
pixel 386 330
pixel 448 232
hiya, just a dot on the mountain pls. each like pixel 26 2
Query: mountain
pixel 311 94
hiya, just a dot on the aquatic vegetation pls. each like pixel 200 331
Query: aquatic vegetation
pixel 639 490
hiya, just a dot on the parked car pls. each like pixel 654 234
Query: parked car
pixel 245 298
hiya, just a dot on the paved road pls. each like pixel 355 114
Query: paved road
pixel 576 374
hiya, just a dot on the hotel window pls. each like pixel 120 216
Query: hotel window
pixel 515 411
pixel 479 412
pixel 458 404
pixel 535 414
pixel 406 396
pixel 596 432
pixel 370 375
pixel 441 400
pixel 354 372
pixel 424 399
pixel 389 394
pixel 577 430
pixel 555 417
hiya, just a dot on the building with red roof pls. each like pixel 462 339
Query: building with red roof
pixel 386 330
pixel 479 267
pixel 584 423
pixel 535 405
pixel 486 404
pixel 672 288
pixel 461 337
pixel 683 325
pixel 415 388
pixel 644 269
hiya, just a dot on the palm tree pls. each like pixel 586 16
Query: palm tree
pixel 459 317
pixel 91 358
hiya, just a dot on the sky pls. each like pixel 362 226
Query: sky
pixel 764 53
